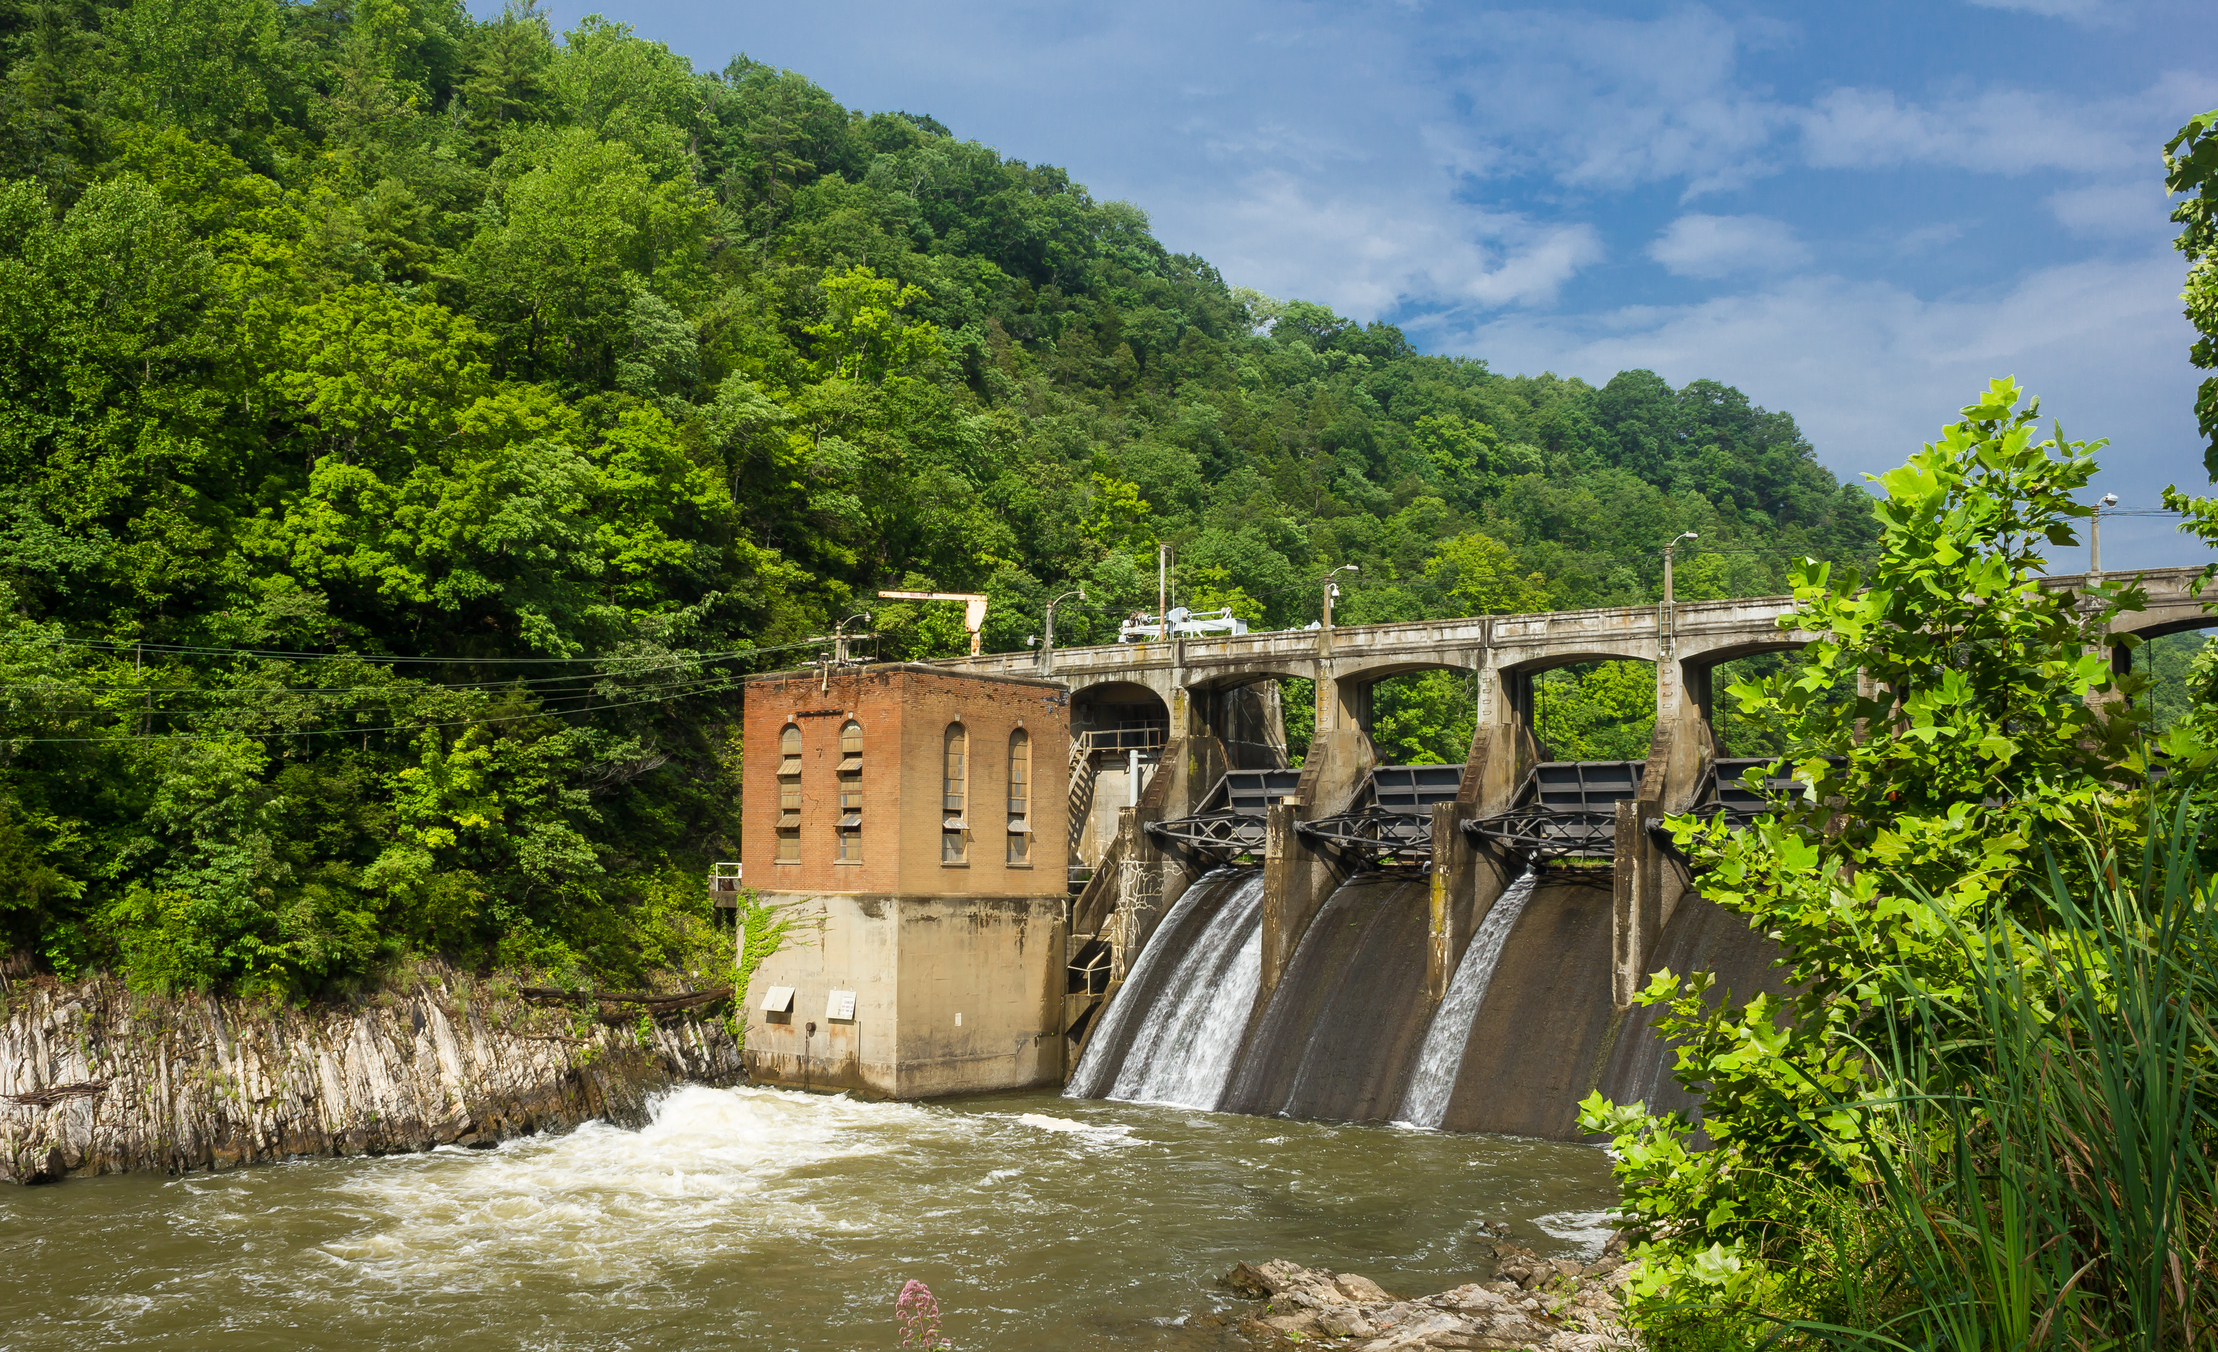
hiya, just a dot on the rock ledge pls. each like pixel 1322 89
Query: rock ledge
pixel 95 1080
pixel 1550 1305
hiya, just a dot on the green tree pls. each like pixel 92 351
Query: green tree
pixel 2004 737
pixel 1477 575
pixel 2191 166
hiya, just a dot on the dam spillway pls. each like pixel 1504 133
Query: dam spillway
pixel 1440 1060
pixel 1701 936
pixel 1173 1032
pixel 1348 1034
pixel 1541 1034
pixel 1341 1029
pixel 1450 947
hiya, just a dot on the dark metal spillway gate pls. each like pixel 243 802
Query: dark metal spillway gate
pixel 1563 809
pixel 1230 823
pixel 1569 808
pixel 1391 823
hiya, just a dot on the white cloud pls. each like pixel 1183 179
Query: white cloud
pixel 1910 243
pixel 2051 9
pixel 1611 103
pixel 1696 245
pixel 1871 370
pixel 2113 210
pixel 1365 252
pixel 2005 131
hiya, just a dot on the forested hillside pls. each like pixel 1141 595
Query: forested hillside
pixel 412 425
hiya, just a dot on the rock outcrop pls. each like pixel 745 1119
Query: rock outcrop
pixel 96 1080
pixel 1550 1305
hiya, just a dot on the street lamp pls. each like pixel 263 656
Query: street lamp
pixel 2094 534
pixel 1332 589
pixel 1668 550
pixel 1047 647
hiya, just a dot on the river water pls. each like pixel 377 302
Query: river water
pixel 767 1218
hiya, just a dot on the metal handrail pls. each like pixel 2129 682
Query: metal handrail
pixel 1149 738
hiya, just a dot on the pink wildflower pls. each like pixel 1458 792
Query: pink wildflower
pixel 919 1315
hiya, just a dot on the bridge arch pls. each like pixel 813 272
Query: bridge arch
pixel 2153 624
pixel 1208 679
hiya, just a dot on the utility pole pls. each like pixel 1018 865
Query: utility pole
pixel 1163 588
pixel 2094 535
pixel 1670 618
pixel 1332 589
pixel 839 636
pixel 1047 643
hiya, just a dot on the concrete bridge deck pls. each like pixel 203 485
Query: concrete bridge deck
pixel 1692 633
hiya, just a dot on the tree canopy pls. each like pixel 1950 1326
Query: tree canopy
pixel 411 424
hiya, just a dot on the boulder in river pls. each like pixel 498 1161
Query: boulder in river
pixel 1548 1305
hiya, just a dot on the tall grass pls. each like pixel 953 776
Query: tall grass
pixel 2041 1142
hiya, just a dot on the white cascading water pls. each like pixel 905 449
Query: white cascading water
pixel 1183 1054
pixel 1094 1066
pixel 1426 1100
pixel 1182 1045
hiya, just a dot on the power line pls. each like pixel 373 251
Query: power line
pixel 282 654
pixel 550 704
pixel 401 685
pixel 727 683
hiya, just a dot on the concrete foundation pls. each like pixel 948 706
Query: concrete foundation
pixel 952 995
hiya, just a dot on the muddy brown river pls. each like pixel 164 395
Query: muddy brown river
pixel 765 1218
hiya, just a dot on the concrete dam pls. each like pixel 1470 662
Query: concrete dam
pixel 1357 1026
pixel 1449 946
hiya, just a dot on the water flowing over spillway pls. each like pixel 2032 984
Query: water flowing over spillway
pixel 1349 1034
pixel 1344 1022
pixel 1183 1054
pixel 1172 1032
pixel 1442 1056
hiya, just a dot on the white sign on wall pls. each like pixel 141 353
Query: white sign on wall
pixel 840 1005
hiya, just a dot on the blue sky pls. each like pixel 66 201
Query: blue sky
pixel 1855 212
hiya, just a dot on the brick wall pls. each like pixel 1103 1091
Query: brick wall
pixel 904 712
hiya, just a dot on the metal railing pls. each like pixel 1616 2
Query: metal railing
pixel 1150 737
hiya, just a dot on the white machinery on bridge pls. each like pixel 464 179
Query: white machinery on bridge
pixel 1185 623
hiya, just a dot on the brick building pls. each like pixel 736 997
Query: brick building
pixel 914 824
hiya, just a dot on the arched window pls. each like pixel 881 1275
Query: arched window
pixel 955 797
pixel 851 793
pixel 789 794
pixel 1020 797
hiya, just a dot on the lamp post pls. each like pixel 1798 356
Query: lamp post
pixel 1332 589
pixel 1670 617
pixel 2094 534
pixel 1163 589
pixel 1047 644
pixel 1669 550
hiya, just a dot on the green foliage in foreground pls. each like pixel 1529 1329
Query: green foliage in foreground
pixel 2191 166
pixel 1985 1118
pixel 412 424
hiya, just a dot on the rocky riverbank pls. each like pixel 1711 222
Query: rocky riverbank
pixel 94 1079
pixel 1549 1305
